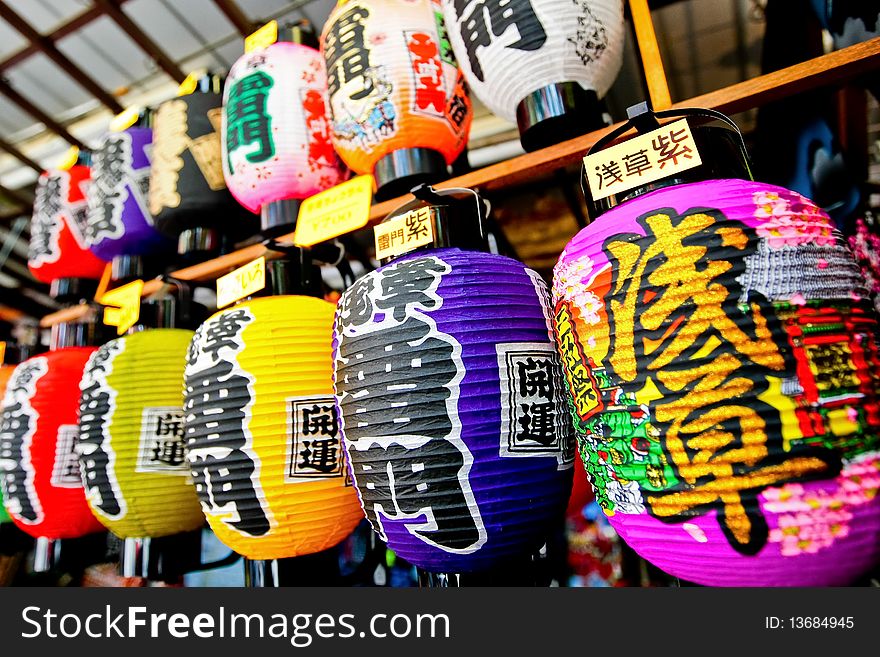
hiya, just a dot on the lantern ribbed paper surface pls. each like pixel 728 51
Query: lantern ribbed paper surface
pixel 720 350
pixel 5 372
pixel 131 443
pixel 41 483
pixel 58 248
pixel 119 219
pixel 393 81
pixel 262 431
pixel 507 50
pixel 187 187
pixel 453 408
pixel 277 139
pixel 4 517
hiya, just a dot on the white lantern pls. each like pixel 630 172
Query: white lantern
pixel 542 63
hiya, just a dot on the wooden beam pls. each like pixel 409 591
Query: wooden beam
pixel 832 70
pixel 111 8
pixel 17 197
pixel 9 91
pixel 18 155
pixel 71 26
pixel 48 48
pixel 236 16
pixel 652 63
pixel 11 315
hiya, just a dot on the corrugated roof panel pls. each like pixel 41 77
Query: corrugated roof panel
pixel 101 62
pixel 207 20
pixel 12 119
pixel 11 40
pixel 47 86
pixel 124 52
pixel 162 27
pixel 258 10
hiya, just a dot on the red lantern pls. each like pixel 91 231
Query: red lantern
pixel 58 248
pixel 41 483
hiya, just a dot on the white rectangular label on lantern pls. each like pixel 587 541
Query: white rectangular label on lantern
pixel 162 447
pixel 314 449
pixel 65 472
pixel 247 279
pixel 535 421
pixel 404 233
pixel 661 153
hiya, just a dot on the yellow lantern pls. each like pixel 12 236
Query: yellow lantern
pixel 262 429
pixel 131 436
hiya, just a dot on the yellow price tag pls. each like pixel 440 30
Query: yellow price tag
pixel 125 119
pixel 404 233
pixel 262 38
pixel 2 352
pixel 661 153
pixel 123 306
pixel 69 159
pixel 244 281
pixel 189 84
pixel 334 212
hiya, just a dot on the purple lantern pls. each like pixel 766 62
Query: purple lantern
pixel 452 408
pixel 119 220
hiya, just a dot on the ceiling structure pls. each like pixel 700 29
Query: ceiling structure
pixel 68 66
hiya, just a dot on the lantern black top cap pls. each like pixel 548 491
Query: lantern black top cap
pixel 297 273
pixel 171 307
pixel 301 32
pixel 458 216
pixel 720 143
pixel 642 119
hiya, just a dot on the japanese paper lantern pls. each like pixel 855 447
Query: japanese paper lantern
pixel 262 430
pixel 453 409
pixel 188 193
pixel 41 483
pixel 58 248
pixel 398 102
pixel 276 144
pixel 720 351
pixel 5 374
pixel 544 64
pixel 131 444
pixel 4 517
pixel 119 220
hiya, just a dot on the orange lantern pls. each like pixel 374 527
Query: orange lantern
pixel 398 102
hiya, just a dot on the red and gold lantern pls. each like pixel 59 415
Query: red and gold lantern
pixel 398 101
